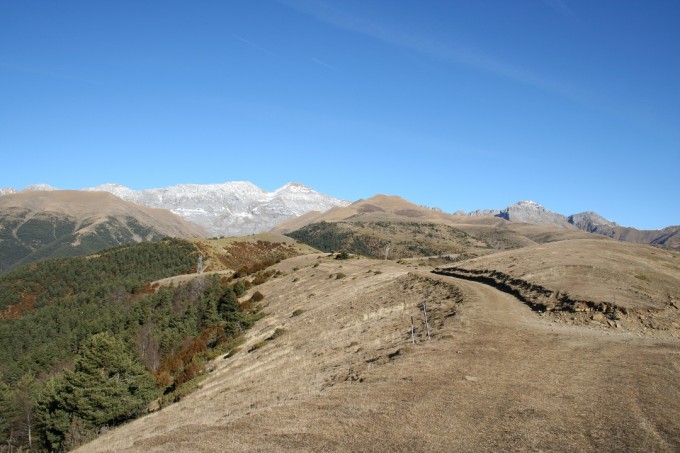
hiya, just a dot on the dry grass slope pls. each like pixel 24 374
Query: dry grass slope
pixel 343 374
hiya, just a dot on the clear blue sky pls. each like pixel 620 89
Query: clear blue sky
pixel 453 104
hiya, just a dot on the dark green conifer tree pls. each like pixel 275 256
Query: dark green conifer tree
pixel 106 387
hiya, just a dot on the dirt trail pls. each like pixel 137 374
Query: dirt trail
pixel 495 376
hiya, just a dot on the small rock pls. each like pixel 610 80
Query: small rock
pixel 597 317
pixel 471 378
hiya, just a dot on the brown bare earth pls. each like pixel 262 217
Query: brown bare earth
pixel 617 284
pixel 333 367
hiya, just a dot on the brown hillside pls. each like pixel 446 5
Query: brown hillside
pixel 333 366
pixel 235 253
pixel 668 237
pixel 379 207
pixel 98 206
pixel 627 285
pixel 496 233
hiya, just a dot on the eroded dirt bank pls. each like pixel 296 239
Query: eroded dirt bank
pixel 565 307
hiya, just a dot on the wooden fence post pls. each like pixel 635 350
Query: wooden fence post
pixel 427 323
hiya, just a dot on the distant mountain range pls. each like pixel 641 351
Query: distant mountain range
pixel 534 213
pixel 240 208
pixel 234 208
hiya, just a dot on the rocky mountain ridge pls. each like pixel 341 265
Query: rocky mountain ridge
pixel 236 208
pixel 589 221
pixel 240 208
pixel 526 211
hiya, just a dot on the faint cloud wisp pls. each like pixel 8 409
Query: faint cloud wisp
pixel 255 46
pixel 560 6
pixel 458 54
pixel 323 63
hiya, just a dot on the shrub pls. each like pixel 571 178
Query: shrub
pixel 277 333
pixel 257 346
pixel 297 312
pixel 342 256
pixel 256 297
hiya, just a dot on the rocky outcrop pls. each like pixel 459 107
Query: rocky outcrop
pixel 527 212
pixel 590 221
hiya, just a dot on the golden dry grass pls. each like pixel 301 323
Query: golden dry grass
pixel 610 271
pixel 345 376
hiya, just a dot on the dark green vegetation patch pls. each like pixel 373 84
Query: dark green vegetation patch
pixel 88 343
pixel 397 239
pixel 26 236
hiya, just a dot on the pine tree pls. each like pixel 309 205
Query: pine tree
pixel 8 412
pixel 106 387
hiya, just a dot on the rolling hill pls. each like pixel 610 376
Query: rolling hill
pixel 367 227
pixel 334 365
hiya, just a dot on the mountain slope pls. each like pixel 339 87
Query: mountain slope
pixel 527 212
pixel 235 208
pixel 49 224
pixel 368 226
pixel 343 373
pixel 591 222
pixel 378 207
pixel 594 223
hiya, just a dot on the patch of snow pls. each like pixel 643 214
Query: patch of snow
pixel 38 188
pixel 232 208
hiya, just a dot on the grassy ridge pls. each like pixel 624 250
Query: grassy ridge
pixel 405 239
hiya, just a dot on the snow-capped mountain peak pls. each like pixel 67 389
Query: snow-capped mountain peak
pixel 38 188
pixel 234 208
pixel 528 203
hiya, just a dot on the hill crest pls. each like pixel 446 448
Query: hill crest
pixel 47 224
